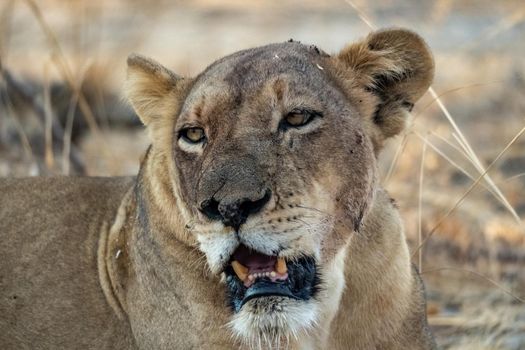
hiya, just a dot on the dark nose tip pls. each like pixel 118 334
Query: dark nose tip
pixel 233 212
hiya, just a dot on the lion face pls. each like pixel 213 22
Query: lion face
pixel 267 154
pixel 274 156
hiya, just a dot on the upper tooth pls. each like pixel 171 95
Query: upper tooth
pixel 273 274
pixel 280 266
pixel 240 270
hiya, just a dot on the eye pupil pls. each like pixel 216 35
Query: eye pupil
pixel 296 119
pixel 193 135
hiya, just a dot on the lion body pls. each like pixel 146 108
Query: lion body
pixel 142 263
pixel 53 293
pixel 51 296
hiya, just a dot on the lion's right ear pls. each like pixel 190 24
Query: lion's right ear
pixel 397 67
pixel 152 89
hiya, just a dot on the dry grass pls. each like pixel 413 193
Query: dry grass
pixel 463 205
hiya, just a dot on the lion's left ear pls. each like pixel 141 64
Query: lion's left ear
pixel 397 67
pixel 153 90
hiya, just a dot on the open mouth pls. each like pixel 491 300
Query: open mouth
pixel 251 275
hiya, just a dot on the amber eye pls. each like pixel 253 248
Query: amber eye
pixel 298 118
pixel 193 135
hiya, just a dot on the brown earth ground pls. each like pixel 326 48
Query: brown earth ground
pixel 473 261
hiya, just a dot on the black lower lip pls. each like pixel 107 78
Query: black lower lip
pixel 302 284
pixel 265 287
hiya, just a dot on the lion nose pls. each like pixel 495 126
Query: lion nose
pixel 233 211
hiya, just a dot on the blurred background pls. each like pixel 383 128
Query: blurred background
pixel 458 173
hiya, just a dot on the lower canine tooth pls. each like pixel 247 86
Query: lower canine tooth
pixel 273 274
pixel 250 277
pixel 280 266
pixel 240 270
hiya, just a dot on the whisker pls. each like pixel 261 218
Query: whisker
pixel 314 209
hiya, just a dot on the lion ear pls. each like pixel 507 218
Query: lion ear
pixel 152 89
pixel 397 66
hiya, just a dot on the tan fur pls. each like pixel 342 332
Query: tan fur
pixel 124 263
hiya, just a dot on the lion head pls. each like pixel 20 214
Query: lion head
pixel 271 158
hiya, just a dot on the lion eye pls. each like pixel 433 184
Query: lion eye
pixel 296 118
pixel 299 118
pixel 193 135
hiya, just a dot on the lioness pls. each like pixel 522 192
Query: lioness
pixel 256 220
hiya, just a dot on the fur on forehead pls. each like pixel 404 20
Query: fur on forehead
pixel 245 70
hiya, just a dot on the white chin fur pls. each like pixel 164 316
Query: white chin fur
pixel 273 322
